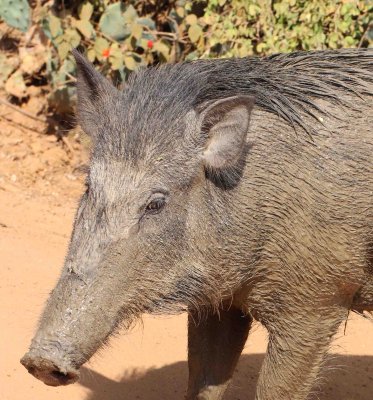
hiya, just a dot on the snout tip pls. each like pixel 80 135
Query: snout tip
pixel 48 371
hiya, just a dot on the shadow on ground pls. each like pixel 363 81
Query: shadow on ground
pixel 345 378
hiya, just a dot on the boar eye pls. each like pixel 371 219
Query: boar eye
pixel 155 205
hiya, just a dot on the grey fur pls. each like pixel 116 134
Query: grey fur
pixel 275 223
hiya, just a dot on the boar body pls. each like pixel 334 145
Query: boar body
pixel 234 189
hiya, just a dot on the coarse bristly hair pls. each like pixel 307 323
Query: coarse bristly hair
pixel 284 84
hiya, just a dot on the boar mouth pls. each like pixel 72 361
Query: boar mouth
pixel 48 371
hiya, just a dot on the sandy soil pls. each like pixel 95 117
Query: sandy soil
pixel 149 363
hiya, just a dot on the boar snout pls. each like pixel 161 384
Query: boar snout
pixel 51 372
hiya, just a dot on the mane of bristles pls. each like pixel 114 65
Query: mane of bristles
pixel 284 84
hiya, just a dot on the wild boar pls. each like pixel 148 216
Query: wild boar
pixel 235 189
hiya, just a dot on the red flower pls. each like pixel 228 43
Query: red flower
pixel 105 53
pixel 150 44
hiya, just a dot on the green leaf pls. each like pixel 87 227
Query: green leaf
pixel 58 40
pixel 143 43
pixel 68 66
pixel 100 45
pixel 180 11
pixel 16 14
pixel 86 11
pixel 130 62
pixel 162 48
pixel 59 77
pixel 348 41
pixel 194 33
pixel 112 22
pixel 72 37
pixel 253 10
pixel 116 57
pixel 149 23
pixel 191 56
pixel 116 63
pixel 91 55
pixel 55 26
pixel 260 47
pixel 191 19
pixel 333 37
pixel 64 49
pixel 85 28
pixel 136 31
pixel 130 14
pixel 345 9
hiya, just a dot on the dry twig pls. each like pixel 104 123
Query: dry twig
pixel 19 125
pixel 23 112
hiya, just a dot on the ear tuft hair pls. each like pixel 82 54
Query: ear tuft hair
pixel 226 124
pixel 94 91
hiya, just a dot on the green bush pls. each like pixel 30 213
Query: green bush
pixel 119 37
pixel 16 13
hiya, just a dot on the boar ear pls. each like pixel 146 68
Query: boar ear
pixel 94 92
pixel 226 123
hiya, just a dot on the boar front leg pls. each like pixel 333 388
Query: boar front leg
pixel 215 344
pixel 298 342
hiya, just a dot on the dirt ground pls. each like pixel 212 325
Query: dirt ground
pixel 39 187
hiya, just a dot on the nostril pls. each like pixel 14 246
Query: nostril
pixel 58 374
pixel 62 378
pixel 48 371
